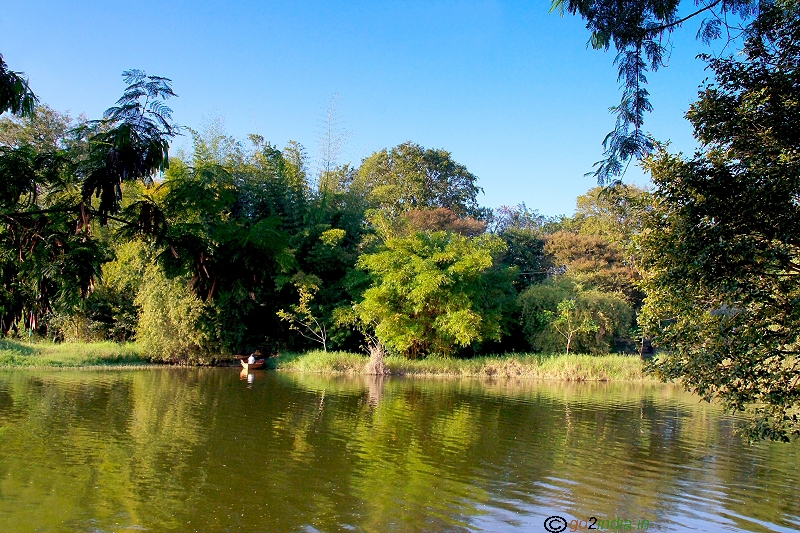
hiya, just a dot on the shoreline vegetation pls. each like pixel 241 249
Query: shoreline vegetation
pixel 572 367
pixel 19 354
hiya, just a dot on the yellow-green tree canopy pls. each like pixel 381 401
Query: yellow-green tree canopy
pixel 433 293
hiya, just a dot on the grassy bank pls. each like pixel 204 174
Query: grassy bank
pixel 573 367
pixel 77 354
pixel 536 366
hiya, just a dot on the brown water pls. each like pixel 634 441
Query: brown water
pixel 203 450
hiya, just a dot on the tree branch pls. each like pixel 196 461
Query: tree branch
pixel 663 27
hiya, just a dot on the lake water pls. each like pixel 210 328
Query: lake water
pixel 205 450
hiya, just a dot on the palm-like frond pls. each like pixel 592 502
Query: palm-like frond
pixel 15 93
pixel 131 142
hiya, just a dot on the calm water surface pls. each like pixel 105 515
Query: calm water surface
pixel 204 450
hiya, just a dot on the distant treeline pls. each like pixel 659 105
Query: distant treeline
pixel 239 247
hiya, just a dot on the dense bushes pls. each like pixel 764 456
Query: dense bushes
pixel 609 314
pixel 170 318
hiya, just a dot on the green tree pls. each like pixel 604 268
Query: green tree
pixel 568 322
pixel 598 318
pixel 409 177
pixel 594 262
pixel 130 143
pixel 45 130
pixel 523 231
pixel 45 265
pixel 611 213
pixel 225 227
pixel 301 317
pixel 50 256
pixel 434 292
pixel 170 326
pixel 720 247
pixel 246 226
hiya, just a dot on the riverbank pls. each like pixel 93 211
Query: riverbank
pixel 573 367
pixel 18 354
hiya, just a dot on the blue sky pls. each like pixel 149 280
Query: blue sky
pixel 509 89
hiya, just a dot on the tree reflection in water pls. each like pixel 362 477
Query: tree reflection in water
pixel 191 449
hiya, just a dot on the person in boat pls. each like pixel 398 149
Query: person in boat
pixel 251 359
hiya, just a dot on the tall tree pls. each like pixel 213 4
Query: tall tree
pixel 48 251
pixel 409 177
pixel 433 293
pixel 131 142
pixel 720 245
pixel 610 212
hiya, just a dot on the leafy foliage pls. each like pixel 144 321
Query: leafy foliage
pixel 16 95
pixel 50 257
pixel 224 230
pixel 594 262
pixel 44 130
pixel 720 247
pixel 131 142
pixel 597 319
pixel 301 317
pixel 568 322
pixel 433 292
pixel 611 213
pixel 44 262
pixel 170 318
pixel 208 253
pixel 443 219
pixel 409 177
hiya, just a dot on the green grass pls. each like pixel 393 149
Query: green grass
pixel 573 367
pixel 74 354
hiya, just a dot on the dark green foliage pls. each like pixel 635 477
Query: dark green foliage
pixel 246 227
pixel 224 229
pixel 720 245
pixel 523 231
pixel 49 254
pixel 16 95
pixel 525 252
pixel 131 142
pixel 45 263
pixel 209 257
pixel 608 314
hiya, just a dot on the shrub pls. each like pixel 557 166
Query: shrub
pixel 170 318
pixel 539 307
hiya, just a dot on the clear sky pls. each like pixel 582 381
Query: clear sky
pixel 509 89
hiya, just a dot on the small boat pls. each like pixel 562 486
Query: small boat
pixel 253 366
